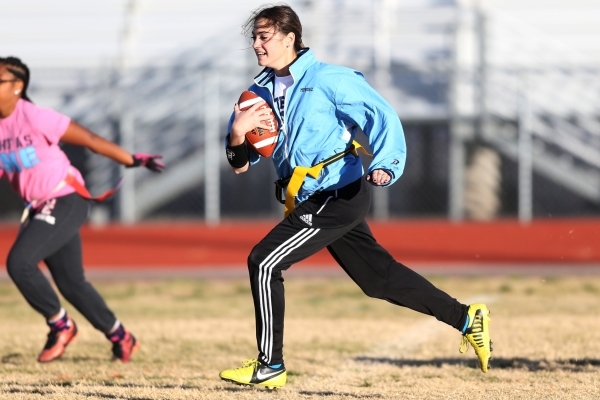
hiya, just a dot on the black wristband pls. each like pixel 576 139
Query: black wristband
pixel 237 155
pixel 136 162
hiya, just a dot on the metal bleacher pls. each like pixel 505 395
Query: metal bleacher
pixel 163 101
pixel 561 87
pixel 139 74
pixel 150 96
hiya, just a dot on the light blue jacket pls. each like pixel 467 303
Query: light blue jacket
pixel 323 109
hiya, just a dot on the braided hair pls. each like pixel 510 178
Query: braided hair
pixel 16 67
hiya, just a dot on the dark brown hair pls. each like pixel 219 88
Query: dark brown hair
pixel 281 17
pixel 16 67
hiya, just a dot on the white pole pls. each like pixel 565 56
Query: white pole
pixel 382 46
pixel 212 149
pixel 127 209
pixel 457 158
pixel 458 130
pixel 126 194
pixel 525 152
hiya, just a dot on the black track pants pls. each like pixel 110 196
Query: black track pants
pixel 52 235
pixel 336 220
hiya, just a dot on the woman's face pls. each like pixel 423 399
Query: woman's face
pixel 273 49
pixel 8 85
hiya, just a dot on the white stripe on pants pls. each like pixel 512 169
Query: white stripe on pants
pixel 264 277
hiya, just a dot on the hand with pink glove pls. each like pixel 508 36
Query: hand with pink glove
pixel 149 161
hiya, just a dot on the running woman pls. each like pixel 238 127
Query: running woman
pixel 320 108
pixel 57 206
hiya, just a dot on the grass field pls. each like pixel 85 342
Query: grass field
pixel 339 344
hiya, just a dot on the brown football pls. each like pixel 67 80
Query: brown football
pixel 261 140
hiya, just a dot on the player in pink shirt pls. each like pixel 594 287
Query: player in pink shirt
pixel 57 205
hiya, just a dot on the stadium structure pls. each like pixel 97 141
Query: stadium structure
pixel 499 99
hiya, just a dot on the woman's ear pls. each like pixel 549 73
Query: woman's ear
pixel 19 86
pixel 290 38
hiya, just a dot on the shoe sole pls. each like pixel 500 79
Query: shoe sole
pixel 270 387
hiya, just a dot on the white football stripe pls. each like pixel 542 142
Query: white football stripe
pixel 265 142
pixel 250 103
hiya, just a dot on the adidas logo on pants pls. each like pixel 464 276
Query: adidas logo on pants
pixel 307 219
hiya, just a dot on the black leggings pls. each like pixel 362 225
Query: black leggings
pixel 335 220
pixel 51 234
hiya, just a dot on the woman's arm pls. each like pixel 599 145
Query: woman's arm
pixel 80 136
pixel 359 104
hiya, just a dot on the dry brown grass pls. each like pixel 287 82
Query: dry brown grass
pixel 339 343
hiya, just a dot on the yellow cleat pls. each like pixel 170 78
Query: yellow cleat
pixel 478 334
pixel 253 372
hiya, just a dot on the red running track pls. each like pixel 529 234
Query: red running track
pixel 195 245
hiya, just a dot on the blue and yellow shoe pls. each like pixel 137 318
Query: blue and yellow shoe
pixel 253 372
pixel 477 333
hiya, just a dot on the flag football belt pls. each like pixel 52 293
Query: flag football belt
pixel 300 173
pixel 79 188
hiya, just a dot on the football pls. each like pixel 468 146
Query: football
pixel 261 140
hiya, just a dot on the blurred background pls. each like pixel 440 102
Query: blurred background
pixel 499 99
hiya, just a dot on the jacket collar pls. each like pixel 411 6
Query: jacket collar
pixel 304 60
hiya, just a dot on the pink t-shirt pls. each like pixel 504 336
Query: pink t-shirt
pixel 29 153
